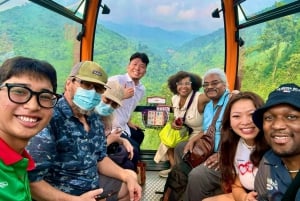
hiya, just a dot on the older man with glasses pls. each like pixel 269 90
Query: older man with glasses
pixel 70 153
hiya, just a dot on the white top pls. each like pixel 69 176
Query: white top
pixel 244 167
pixel 122 114
pixel 193 118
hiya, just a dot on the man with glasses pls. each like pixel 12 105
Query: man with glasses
pixel 70 153
pixel 204 180
pixel 27 94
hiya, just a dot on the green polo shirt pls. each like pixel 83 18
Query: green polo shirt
pixel 14 184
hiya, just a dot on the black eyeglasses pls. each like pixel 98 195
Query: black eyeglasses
pixel 90 85
pixel 18 93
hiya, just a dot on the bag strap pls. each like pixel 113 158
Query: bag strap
pixel 188 105
pixel 216 116
pixel 212 127
pixel 292 190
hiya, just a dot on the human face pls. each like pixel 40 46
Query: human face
pixel 184 87
pixel 241 120
pixel 110 102
pixel 136 69
pixel 281 125
pixel 23 121
pixel 214 87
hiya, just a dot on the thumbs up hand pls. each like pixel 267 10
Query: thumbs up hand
pixel 128 92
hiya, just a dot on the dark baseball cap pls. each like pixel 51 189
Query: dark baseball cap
pixel 285 94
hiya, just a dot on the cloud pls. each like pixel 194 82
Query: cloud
pixel 165 10
pixel 190 15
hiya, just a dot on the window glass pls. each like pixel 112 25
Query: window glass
pixel 76 7
pixel 270 55
pixel 176 35
pixel 251 8
pixel 30 30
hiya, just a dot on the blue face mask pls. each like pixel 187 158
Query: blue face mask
pixel 86 99
pixel 104 109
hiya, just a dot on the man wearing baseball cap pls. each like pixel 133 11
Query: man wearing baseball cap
pixel 70 153
pixel 279 169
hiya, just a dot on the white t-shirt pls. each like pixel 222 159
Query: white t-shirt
pixel 244 167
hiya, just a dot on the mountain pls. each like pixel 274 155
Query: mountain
pixel 156 38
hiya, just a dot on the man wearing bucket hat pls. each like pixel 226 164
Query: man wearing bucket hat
pixel 119 149
pixel 70 153
pixel 280 120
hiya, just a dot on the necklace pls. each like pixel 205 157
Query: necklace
pixel 291 171
pixel 251 148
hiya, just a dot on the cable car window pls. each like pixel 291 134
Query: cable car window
pixel 77 7
pixel 255 7
pixel 176 35
pixel 30 30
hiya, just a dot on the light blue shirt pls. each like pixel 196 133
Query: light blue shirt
pixel 208 115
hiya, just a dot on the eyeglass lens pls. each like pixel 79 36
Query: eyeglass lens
pixel 21 94
pixel 213 84
pixel 183 83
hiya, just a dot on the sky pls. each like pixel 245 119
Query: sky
pixel 192 16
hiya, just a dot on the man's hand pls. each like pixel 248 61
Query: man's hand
pixel 213 162
pixel 90 195
pixel 191 143
pixel 128 92
pixel 128 147
pixel 135 190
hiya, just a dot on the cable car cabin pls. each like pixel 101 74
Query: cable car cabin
pixel 257 43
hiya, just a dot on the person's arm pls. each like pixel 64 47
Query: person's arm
pixel 43 191
pixel 202 100
pixel 108 168
pixel 132 125
pixel 128 147
pixel 239 193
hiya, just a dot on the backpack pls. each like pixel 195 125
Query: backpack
pixel 176 182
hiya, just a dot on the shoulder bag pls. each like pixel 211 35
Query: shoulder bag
pixel 204 147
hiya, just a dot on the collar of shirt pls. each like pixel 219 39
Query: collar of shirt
pixel 10 156
pixel 129 80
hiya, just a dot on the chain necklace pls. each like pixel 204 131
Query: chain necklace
pixel 291 171
pixel 251 148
